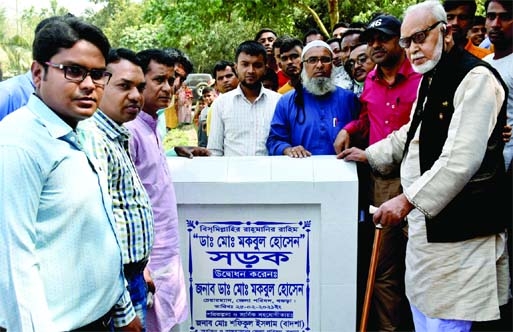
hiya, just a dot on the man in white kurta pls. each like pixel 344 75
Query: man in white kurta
pixel 459 281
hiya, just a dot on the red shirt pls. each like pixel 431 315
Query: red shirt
pixel 386 107
pixel 282 78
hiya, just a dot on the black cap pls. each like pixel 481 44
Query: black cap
pixel 387 24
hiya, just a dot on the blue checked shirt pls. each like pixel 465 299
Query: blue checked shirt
pixel 107 141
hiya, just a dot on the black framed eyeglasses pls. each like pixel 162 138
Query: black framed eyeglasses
pixel 313 60
pixel 360 60
pixel 77 74
pixel 418 37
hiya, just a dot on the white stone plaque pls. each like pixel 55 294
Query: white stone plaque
pixel 268 243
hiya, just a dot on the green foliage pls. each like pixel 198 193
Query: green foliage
pixel 140 38
pixel 18 58
pixel 207 30
pixel 210 30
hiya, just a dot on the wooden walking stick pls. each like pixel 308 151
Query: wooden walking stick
pixel 372 274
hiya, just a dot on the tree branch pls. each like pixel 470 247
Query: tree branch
pixel 316 17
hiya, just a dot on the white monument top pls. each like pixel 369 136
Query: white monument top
pixel 262 169
pixel 285 220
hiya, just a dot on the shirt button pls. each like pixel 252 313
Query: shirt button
pixel 388 104
pixel 386 121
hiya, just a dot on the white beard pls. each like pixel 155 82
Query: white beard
pixel 437 55
pixel 318 86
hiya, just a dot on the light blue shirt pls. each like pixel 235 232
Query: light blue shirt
pixel 60 260
pixel 15 92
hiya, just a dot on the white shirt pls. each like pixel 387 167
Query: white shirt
pixel 504 67
pixel 239 127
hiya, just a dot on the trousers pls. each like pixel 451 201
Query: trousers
pixel 390 310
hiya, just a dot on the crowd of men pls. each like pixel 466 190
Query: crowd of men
pixel 89 235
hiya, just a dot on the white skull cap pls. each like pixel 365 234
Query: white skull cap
pixel 315 43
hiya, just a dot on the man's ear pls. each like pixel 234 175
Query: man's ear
pixel 38 72
pixel 447 33
pixel 446 29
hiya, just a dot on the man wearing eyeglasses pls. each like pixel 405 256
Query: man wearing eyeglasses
pixel 307 120
pixel 359 65
pixel 58 246
pixel 460 15
pixel 389 92
pixel 15 91
pixel 456 195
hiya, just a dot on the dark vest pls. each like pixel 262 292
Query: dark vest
pixel 481 208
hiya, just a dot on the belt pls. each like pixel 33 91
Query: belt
pixel 102 324
pixel 132 269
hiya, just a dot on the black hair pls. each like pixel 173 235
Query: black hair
pixel 117 54
pixel 340 25
pixel 270 75
pixel 186 62
pixel 180 57
pixel 277 42
pixel 47 20
pixel 64 33
pixel 221 65
pixel 207 89
pixel 262 31
pixel 334 40
pixel 312 31
pixel 453 4
pixel 358 25
pixel 351 31
pixel 157 55
pixel 478 20
pixel 289 43
pixel 507 4
pixel 251 47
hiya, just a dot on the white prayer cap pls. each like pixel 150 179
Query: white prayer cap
pixel 315 43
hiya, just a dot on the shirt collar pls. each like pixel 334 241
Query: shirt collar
pixel 404 72
pixel 113 130
pixel 263 91
pixel 48 118
pixel 149 120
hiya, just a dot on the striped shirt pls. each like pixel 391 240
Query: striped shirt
pixel 107 141
pixel 239 127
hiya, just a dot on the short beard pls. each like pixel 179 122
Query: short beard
pixel 437 55
pixel 254 86
pixel 318 86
